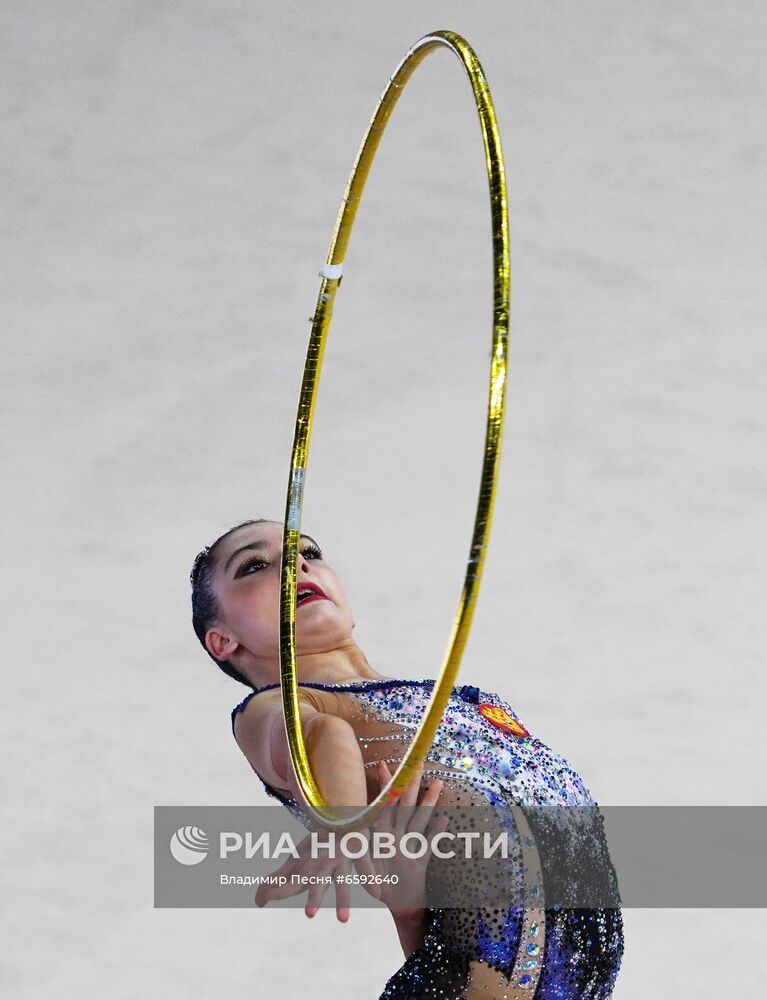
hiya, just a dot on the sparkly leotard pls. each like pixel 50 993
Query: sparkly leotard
pixel 484 755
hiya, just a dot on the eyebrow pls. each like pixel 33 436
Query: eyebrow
pixel 254 546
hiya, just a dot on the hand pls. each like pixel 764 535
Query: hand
pixel 320 866
pixel 405 892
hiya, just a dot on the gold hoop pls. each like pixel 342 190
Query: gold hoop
pixel 331 275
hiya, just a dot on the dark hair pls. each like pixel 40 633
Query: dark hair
pixel 205 610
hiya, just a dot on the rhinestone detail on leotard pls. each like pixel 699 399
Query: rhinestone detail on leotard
pixel 553 954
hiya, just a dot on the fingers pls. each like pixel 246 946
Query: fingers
pixel 432 792
pixel 439 825
pixel 422 816
pixel 383 772
pixel 410 794
pixel 366 867
pixel 271 891
pixel 384 820
pixel 342 901
pixel 390 818
pixel 314 899
pixel 401 815
pixel 403 810
pixel 266 892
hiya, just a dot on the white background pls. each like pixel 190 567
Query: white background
pixel 171 175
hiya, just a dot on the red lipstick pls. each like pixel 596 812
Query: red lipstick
pixel 308 592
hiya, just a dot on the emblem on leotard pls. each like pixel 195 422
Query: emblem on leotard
pixel 501 718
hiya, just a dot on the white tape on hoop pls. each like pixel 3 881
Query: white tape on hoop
pixel 296 497
pixel 332 271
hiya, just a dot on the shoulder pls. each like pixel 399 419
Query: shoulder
pixel 252 724
pixel 261 705
pixel 259 729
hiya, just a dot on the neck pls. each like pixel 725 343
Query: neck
pixel 334 666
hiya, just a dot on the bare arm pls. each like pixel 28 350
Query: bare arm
pixel 406 901
pixel 337 765
pixel 334 754
pixel 410 929
pixel 336 761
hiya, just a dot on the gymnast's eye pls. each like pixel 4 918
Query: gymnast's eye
pixel 310 551
pixel 252 565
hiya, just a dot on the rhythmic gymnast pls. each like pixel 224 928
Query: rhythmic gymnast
pixel 357 722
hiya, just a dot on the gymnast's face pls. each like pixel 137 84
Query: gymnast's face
pixel 246 582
